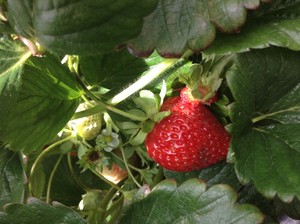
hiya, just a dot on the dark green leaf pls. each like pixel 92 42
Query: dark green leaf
pixel 220 173
pixel 46 98
pixel 12 59
pixel 113 70
pixel 292 209
pixel 80 27
pixel 12 177
pixel 266 120
pixel 19 16
pixel 5 27
pixel 37 212
pixel 71 192
pixel 248 194
pixel 176 25
pixel 191 203
pixel 277 26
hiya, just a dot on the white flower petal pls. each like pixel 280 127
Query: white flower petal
pixel 114 142
pixel 108 149
pixel 105 132
pixel 114 135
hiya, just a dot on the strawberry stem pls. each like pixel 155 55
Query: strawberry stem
pixel 128 170
pixel 100 107
pixel 75 176
pixel 103 206
pixel 41 157
pixel 115 211
pixel 51 178
pixel 164 69
pixel 129 165
pixel 264 116
pixel 107 181
pixel 114 207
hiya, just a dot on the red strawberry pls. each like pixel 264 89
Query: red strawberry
pixel 190 138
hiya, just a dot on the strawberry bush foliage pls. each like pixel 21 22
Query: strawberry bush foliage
pixel 157 111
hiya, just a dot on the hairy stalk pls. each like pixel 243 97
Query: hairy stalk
pixel 128 170
pixel 115 213
pixel 51 178
pixel 158 177
pixel 74 175
pixel 117 204
pixel 163 69
pixel 101 106
pixel 265 116
pixel 129 165
pixel 41 157
pixel 102 208
pixel 107 181
pixel 105 202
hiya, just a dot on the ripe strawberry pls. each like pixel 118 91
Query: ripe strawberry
pixel 190 138
pixel 87 127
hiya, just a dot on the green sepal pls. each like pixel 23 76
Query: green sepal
pixel 148 126
pixel 138 138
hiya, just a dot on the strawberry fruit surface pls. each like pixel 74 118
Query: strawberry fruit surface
pixel 190 138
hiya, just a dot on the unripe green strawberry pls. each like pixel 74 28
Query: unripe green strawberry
pixel 190 138
pixel 87 127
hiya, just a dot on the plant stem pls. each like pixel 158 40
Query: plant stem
pixel 42 155
pixel 125 114
pixel 264 116
pixel 108 197
pixel 114 210
pixel 163 69
pixel 129 165
pixel 158 177
pixel 101 106
pixel 51 178
pixel 127 168
pixel 107 181
pixel 104 204
pixel 88 112
pixel 115 205
pixel 76 178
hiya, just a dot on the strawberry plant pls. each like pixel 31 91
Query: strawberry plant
pixel 157 111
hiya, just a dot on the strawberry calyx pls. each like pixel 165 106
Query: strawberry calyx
pixel 187 95
pixel 205 78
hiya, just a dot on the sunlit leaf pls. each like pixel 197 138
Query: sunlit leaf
pixel 36 212
pixel 191 202
pixel 266 120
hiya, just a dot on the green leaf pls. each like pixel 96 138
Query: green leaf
pixel 220 173
pixel 80 27
pixel 191 202
pixel 5 27
pixel 75 183
pixel 276 26
pixel 36 212
pixel 148 102
pixel 12 177
pixel 266 120
pixel 71 193
pixel 45 98
pixel 139 138
pixel 291 209
pixel 112 71
pixel 12 59
pixel 161 115
pixel 176 25
pixel 19 16
pixel 248 194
